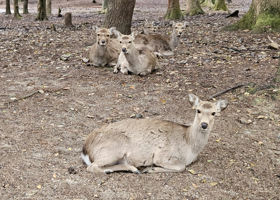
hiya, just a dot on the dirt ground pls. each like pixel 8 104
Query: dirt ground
pixel 50 101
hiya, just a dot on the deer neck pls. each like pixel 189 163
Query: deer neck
pixel 101 50
pixel 174 40
pixel 197 137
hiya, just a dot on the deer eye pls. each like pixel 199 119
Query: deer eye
pixel 198 111
pixel 213 113
pixel 120 41
pixel 108 35
pixel 98 34
pixel 129 42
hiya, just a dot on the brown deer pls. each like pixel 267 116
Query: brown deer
pixel 105 51
pixel 160 44
pixel 152 145
pixel 136 59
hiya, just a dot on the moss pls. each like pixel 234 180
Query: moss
pixel 266 21
pixel 174 14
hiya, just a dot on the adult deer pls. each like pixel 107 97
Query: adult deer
pixel 160 44
pixel 133 58
pixel 151 144
pixel 105 51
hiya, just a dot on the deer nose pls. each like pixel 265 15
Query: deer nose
pixel 103 41
pixel 124 49
pixel 204 125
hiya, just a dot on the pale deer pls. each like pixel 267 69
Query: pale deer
pixel 151 145
pixel 137 58
pixel 160 44
pixel 105 51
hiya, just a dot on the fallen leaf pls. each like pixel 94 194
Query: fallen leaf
pixel 213 184
pixel 192 171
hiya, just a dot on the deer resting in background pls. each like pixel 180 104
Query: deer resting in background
pixel 162 45
pixel 150 144
pixel 136 59
pixel 105 51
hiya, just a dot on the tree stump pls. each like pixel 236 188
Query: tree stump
pixel 68 19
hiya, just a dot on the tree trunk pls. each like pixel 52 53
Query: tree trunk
pixel 263 16
pixel 49 7
pixel 25 7
pixel 119 15
pixel 220 5
pixel 8 8
pixel 42 11
pixel 173 10
pixel 68 19
pixel 208 3
pixel 193 8
pixel 16 9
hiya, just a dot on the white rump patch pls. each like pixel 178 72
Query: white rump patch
pixel 86 159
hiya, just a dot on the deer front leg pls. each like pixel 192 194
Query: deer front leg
pixel 176 166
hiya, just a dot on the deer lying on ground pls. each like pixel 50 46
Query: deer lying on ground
pixel 151 27
pixel 136 59
pixel 150 144
pixel 105 51
pixel 162 45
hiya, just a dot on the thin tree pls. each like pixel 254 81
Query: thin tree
pixel 193 8
pixel 173 10
pixel 119 15
pixel 263 15
pixel 16 9
pixel 49 7
pixel 25 7
pixel 8 7
pixel 42 11
pixel 104 6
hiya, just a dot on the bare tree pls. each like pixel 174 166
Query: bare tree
pixel 16 9
pixel 173 10
pixel 49 7
pixel 8 7
pixel 262 16
pixel 119 15
pixel 220 5
pixel 193 7
pixel 42 11
pixel 25 7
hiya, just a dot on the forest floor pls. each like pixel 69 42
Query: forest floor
pixel 50 101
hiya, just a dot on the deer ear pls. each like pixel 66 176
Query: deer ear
pixel 114 32
pixel 221 105
pixel 96 29
pixel 118 34
pixel 194 100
